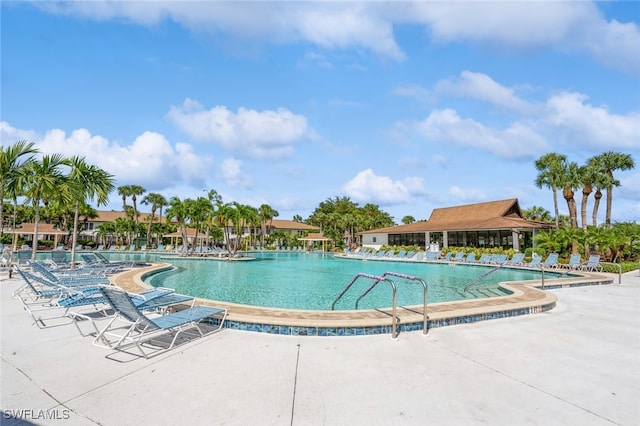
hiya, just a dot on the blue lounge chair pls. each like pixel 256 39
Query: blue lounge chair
pixel 432 255
pixel 516 260
pixel 459 257
pixel 150 300
pixel 551 261
pixel 471 257
pixel 143 329
pixel 574 262
pixel 446 257
pixel 535 262
pixel 592 264
pixel 498 259
pixel 47 277
pixel 485 258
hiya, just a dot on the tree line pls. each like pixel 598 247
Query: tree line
pixel 556 172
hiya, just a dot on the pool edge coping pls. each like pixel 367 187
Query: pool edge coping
pixel 527 298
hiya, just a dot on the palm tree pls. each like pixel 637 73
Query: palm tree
pixel 550 168
pixel 156 201
pixel 266 213
pixel 589 176
pixel 537 213
pixel 570 237
pixel 136 190
pixel 221 220
pixel 571 180
pixel 124 191
pixel 13 160
pixel 609 162
pixel 240 215
pixel 87 182
pixel 548 241
pixel 408 219
pixel 44 179
pixel 180 210
pixel 200 211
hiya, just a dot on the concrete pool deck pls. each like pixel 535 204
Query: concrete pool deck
pixel 578 363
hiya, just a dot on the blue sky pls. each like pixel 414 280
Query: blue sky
pixel 410 106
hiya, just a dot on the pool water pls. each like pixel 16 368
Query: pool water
pixel 314 280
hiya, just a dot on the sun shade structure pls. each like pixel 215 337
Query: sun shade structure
pixel 316 236
pixel 44 229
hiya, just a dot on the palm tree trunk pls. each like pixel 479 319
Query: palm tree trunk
pixel 608 214
pixel 36 219
pixel 583 205
pixel 74 238
pixel 596 205
pixel 555 206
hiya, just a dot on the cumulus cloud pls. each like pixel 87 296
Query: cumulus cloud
pixel 581 124
pixel 10 135
pixel 483 88
pixel 368 187
pixel 565 119
pixel 515 141
pixel 230 171
pixel 565 26
pixel 150 160
pixel 262 134
pixel 467 194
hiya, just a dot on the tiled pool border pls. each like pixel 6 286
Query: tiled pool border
pixel 355 330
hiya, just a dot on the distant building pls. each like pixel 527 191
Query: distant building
pixel 288 226
pixel 490 224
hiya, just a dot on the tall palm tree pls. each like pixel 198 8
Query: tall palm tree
pixel 179 210
pixel 200 211
pixel 136 190
pixel 550 169
pixel 44 179
pixel 222 216
pixel 589 175
pixel 13 160
pixel 571 180
pixel 124 191
pixel 87 183
pixel 609 162
pixel 157 201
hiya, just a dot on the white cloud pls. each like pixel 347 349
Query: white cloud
pixel 578 123
pixel 565 26
pixel 9 134
pixel 263 134
pixel 467 194
pixel 482 87
pixel 515 141
pixel 149 161
pixel 367 187
pixel 231 172
pixel 414 91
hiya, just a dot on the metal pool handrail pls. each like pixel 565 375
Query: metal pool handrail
pixel 377 279
pixel 410 278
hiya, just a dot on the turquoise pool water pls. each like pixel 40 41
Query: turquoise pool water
pixel 313 281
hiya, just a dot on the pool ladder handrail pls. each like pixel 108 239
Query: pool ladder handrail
pixel 409 278
pixel 383 278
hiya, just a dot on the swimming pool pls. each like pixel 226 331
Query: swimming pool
pixel 311 281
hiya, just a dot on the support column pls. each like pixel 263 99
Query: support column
pixel 515 236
